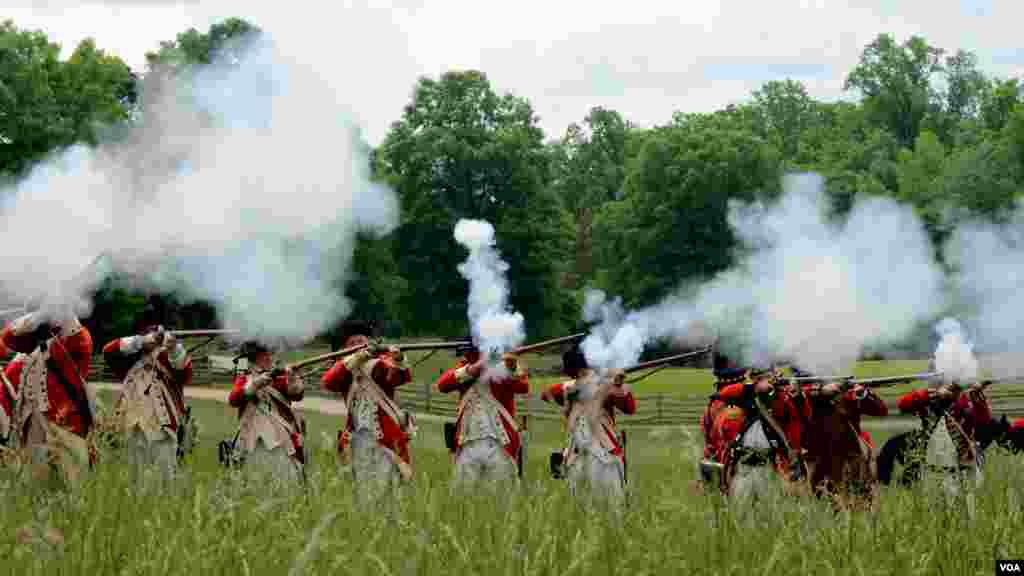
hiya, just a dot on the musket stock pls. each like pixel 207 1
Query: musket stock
pixel 667 360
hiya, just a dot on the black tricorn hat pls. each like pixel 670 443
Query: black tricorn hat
pixel 251 348
pixel 464 349
pixel 349 328
pixel 574 361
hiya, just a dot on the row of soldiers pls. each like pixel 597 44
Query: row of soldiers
pixel 759 427
pixel 49 409
pixel 765 433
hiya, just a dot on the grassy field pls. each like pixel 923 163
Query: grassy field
pixel 215 524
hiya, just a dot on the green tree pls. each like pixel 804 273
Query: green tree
pixel 47 104
pixel 193 47
pixel 782 113
pixel 589 171
pixel 998 102
pixel 895 82
pixel 462 151
pixel 672 224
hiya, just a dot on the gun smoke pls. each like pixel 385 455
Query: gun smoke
pixel 954 356
pixel 242 182
pixel 495 326
pixel 805 289
pixel 988 261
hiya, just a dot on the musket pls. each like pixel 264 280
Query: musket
pixel 353 349
pixel 12 311
pixel 202 333
pixel 675 359
pixel 547 343
pixel 883 381
pixel 847 382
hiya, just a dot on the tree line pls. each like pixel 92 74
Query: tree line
pixel 634 211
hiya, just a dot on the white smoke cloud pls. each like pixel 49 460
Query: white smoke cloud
pixel 806 289
pixel 989 279
pixel 954 356
pixel 496 327
pixel 244 183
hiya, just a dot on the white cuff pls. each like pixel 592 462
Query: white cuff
pixel 27 323
pixel 70 327
pixel 356 360
pixel 462 375
pixel 130 344
pixel 250 387
pixel 177 357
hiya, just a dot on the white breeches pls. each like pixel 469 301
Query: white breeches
pixel 753 484
pixel 590 477
pixel 159 455
pixel 374 472
pixel 954 486
pixel 273 465
pixel 483 460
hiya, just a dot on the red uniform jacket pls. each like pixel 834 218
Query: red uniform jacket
pixel 504 392
pixel 967 412
pixel 625 403
pixel 120 363
pixel 731 422
pixel 1017 424
pixel 13 373
pixel 339 380
pixel 238 399
pixel 72 357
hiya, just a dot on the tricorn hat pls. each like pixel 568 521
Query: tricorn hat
pixel 467 348
pixel 349 328
pixel 574 361
pixel 250 348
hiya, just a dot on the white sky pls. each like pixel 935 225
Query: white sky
pixel 645 59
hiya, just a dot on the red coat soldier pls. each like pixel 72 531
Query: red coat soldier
pixel 594 457
pixel 486 442
pixel 55 404
pixel 377 428
pixel 270 440
pixel 761 441
pixel 950 419
pixel 154 369
pixel 839 453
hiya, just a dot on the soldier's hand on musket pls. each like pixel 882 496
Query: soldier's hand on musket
pixel 376 348
pixel 169 340
pixel 153 339
pixel 831 389
pixel 943 393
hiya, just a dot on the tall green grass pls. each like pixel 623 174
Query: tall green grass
pixel 215 524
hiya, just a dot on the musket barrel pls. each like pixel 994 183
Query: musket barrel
pixel 12 311
pixel 548 343
pixel 888 380
pixel 187 333
pixel 353 349
pixel 818 379
pixel 328 356
pixel 667 360
pixel 432 345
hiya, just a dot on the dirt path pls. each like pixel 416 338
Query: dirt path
pixel 320 404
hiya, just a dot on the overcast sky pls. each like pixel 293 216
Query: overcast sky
pixel 644 59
